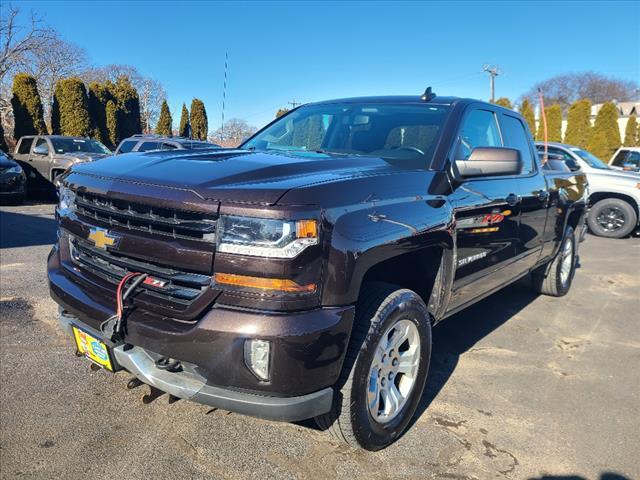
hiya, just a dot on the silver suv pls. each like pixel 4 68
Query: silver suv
pixel 146 143
pixel 614 195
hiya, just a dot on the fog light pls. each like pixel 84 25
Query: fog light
pixel 256 356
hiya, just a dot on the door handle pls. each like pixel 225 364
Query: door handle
pixel 512 199
pixel 542 195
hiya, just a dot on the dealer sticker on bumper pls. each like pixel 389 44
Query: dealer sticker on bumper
pixel 92 348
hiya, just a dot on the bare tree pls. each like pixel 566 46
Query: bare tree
pixel 235 131
pixel 151 97
pixel 566 89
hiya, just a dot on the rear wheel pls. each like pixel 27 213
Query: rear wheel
pixel 555 278
pixel 613 218
pixel 385 368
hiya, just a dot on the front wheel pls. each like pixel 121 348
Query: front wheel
pixel 612 218
pixel 385 368
pixel 555 278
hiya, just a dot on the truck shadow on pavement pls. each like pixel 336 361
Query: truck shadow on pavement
pixel 460 332
pixel 603 476
pixel 23 230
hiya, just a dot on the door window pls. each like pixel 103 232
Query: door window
pixel 127 146
pixel 146 146
pixel 515 136
pixel 479 129
pixel 25 145
pixel 618 161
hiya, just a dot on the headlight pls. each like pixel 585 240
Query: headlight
pixel 16 169
pixel 260 237
pixel 67 199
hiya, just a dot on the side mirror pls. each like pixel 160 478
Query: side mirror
pixel 489 162
pixel 41 150
pixel 630 167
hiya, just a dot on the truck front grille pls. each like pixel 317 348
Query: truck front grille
pixel 177 286
pixel 153 220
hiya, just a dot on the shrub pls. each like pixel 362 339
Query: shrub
pixel 526 110
pixel 504 102
pixel 185 129
pixel 198 120
pixel 579 124
pixel 27 107
pixel 606 134
pixel 70 110
pixel 165 123
pixel 631 133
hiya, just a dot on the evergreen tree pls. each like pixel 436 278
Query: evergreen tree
pixel 606 133
pixel 185 129
pixel 281 111
pixel 3 143
pixel 70 110
pixel 111 122
pixel 27 107
pixel 128 105
pixel 554 124
pixel 165 122
pixel 630 132
pixel 526 110
pixel 99 95
pixel 579 124
pixel 198 120
pixel 504 102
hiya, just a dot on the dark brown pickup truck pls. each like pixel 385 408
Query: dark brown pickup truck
pixel 299 276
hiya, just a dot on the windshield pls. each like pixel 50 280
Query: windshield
pixel 406 133
pixel 73 145
pixel 590 159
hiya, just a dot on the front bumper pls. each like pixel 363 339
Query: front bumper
pixel 189 385
pixel 307 350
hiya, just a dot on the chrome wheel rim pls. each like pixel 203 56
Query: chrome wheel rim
pixel 611 219
pixel 393 371
pixel 567 261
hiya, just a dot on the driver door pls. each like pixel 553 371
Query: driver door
pixel 40 158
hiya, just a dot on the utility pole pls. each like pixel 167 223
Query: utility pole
pixel 224 93
pixel 493 73
pixel 294 104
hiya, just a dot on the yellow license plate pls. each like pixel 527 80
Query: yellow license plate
pixel 93 349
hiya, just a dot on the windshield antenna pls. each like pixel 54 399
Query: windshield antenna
pixel 428 95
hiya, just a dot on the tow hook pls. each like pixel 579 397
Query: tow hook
pixel 133 383
pixel 152 395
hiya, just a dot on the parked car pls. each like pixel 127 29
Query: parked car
pixel 627 159
pixel 614 195
pixel 12 180
pixel 145 143
pixel 45 157
pixel 301 278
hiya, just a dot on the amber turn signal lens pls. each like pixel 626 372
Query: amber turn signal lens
pixel 306 229
pixel 280 284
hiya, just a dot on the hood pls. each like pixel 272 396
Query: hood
pixel 616 174
pixel 80 157
pixel 237 175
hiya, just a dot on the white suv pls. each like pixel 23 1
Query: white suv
pixel 627 159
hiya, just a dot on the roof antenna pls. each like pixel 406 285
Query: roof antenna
pixel 428 95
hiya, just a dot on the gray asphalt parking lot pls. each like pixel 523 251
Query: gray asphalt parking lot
pixel 521 386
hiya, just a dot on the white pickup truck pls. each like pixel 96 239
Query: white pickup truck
pixel 614 195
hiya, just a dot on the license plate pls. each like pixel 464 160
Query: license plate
pixel 93 349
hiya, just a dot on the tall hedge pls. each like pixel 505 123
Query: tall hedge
pixel 185 129
pixel 606 134
pixel 579 124
pixel 112 124
pixel 554 124
pixel 198 120
pixel 526 110
pixel 128 105
pixel 27 107
pixel 99 95
pixel 281 111
pixel 504 102
pixel 165 122
pixel 3 143
pixel 631 132
pixel 70 110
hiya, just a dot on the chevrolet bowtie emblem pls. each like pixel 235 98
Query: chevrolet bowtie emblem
pixel 102 238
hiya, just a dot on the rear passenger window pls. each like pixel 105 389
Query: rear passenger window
pixel 479 129
pixel 618 161
pixel 146 146
pixel 127 146
pixel 515 136
pixel 25 145
pixel 168 146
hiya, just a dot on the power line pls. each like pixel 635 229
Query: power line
pixel 493 73
pixel 294 104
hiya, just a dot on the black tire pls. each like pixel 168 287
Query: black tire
pixel 350 421
pixel 621 211
pixel 549 279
